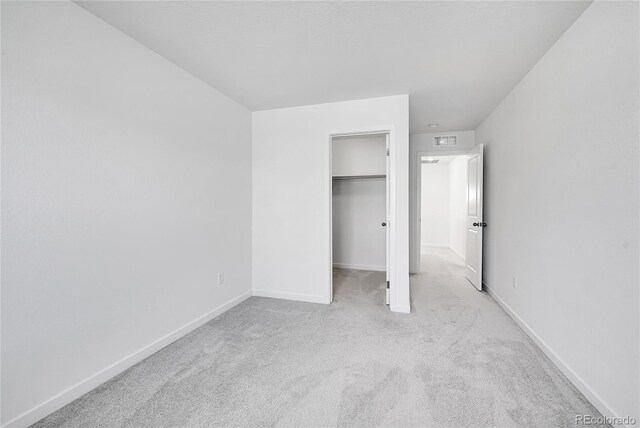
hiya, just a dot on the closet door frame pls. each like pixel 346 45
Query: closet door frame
pixel 391 177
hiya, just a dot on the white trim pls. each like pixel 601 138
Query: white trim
pixel 458 254
pixel 359 267
pixel 68 395
pixel 404 309
pixel 425 246
pixel 574 378
pixel 330 213
pixel 300 297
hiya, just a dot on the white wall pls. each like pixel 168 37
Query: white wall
pixel 126 188
pixel 423 144
pixel 362 155
pixel 435 205
pixel 561 203
pixel 359 208
pixel 291 195
pixel 458 205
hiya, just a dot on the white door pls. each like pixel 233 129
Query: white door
pixel 387 226
pixel 475 224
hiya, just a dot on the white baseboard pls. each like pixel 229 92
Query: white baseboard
pixel 79 389
pixel 576 380
pixel 425 246
pixel 359 267
pixel 457 253
pixel 311 298
pixel 403 309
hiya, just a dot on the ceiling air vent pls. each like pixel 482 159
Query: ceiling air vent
pixel 445 140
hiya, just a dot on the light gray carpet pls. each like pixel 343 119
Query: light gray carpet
pixel 457 360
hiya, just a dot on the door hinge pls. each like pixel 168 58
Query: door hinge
pixel 387 298
pixel 387 151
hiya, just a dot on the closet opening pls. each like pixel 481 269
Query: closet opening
pixel 360 217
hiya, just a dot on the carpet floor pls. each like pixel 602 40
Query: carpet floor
pixel 457 360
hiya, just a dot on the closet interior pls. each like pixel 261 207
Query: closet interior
pixel 359 203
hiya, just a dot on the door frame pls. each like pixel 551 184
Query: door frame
pixel 391 177
pixel 418 239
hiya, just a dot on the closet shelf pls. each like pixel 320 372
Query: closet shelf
pixel 358 177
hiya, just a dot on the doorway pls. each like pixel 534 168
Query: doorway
pixel 360 213
pixel 443 200
pixel 450 200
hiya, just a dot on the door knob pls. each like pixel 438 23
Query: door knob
pixel 483 224
pixel 384 224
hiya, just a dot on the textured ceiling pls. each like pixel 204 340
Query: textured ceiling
pixel 456 60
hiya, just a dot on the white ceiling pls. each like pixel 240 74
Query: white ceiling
pixel 456 60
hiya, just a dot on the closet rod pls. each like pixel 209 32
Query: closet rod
pixel 357 177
